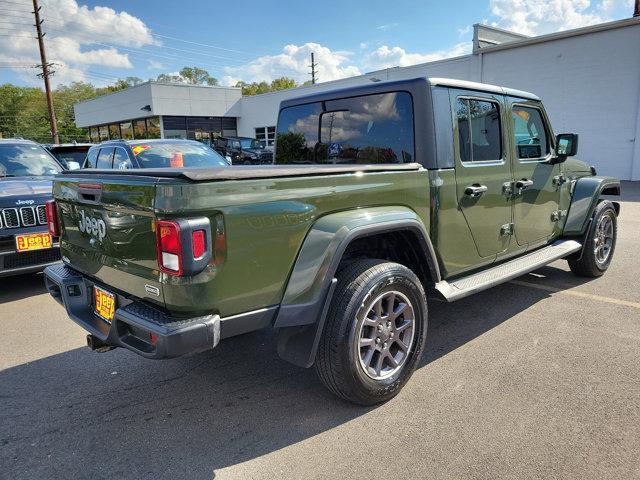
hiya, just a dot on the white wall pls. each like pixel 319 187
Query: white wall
pixel 590 84
pixel 171 99
pixel 164 99
pixel 114 107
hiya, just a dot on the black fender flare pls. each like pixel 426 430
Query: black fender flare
pixel 302 314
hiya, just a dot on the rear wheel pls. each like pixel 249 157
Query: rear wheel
pixel 375 332
pixel 600 243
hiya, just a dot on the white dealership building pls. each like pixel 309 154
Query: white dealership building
pixel 588 78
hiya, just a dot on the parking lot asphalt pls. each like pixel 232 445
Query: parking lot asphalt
pixel 537 378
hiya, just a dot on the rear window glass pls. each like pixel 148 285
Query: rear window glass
pixel 368 129
pixel 176 155
pixel 71 155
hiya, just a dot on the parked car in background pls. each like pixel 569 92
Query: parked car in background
pixel 70 155
pixel 26 170
pixel 158 153
pixel 244 150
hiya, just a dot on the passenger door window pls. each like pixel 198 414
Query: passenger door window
pixel 121 160
pixel 479 130
pixel 104 157
pixel 531 137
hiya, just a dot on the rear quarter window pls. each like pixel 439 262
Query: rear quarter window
pixel 367 129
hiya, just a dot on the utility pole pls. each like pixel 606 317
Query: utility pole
pixel 45 74
pixel 313 70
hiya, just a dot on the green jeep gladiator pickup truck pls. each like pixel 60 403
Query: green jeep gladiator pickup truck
pixel 381 196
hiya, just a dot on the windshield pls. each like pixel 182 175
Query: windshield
pixel 26 161
pixel 177 155
pixel 250 143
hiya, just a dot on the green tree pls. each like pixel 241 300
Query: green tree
pixel 283 83
pixel 197 76
pixel 256 88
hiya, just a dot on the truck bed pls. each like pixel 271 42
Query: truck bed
pixel 246 172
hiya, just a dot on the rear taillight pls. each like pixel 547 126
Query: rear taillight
pixel 169 244
pixel 186 246
pixel 52 217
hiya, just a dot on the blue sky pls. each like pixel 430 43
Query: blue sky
pixel 100 41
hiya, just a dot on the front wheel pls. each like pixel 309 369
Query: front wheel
pixel 600 243
pixel 375 332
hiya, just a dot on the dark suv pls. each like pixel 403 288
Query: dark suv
pixel 26 171
pixel 158 153
pixel 244 150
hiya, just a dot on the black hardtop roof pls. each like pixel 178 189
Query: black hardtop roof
pixel 407 85
pixel 378 87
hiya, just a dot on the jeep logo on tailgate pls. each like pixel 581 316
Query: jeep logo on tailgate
pixel 93 226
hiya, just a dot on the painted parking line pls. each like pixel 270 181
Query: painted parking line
pixel 576 293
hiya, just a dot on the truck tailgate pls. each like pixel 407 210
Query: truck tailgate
pixel 108 231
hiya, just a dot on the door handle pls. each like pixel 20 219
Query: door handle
pixel 524 183
pixel 475 190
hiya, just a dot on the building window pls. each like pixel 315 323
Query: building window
pixel 266 135
pixel 139 129
pixel 114 131
pixel 103 132
pixel 153 127
pixel 126 128
pixel 94 134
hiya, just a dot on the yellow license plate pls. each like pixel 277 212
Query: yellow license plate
pixel 33 241
pixel 105 303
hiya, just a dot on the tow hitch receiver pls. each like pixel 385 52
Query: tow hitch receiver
pixel 94 343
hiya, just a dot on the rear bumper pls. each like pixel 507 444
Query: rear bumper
pixel 136 326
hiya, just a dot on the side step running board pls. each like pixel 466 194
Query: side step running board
pixel 465 286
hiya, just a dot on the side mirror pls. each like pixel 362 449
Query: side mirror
pixel 566 146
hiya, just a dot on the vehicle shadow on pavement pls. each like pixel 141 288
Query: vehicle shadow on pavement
pixel 21 286
pixel 81 414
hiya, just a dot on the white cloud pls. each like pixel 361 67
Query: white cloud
pixel 388 26
pixel 364 45
pixel 536 17
pixel 294 62
pixel 155 65
pixel 387 57
pixel 97 23
pixel 464 31
pixel 78 38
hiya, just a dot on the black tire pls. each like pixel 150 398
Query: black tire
pixel 591 264
pixel 338 360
